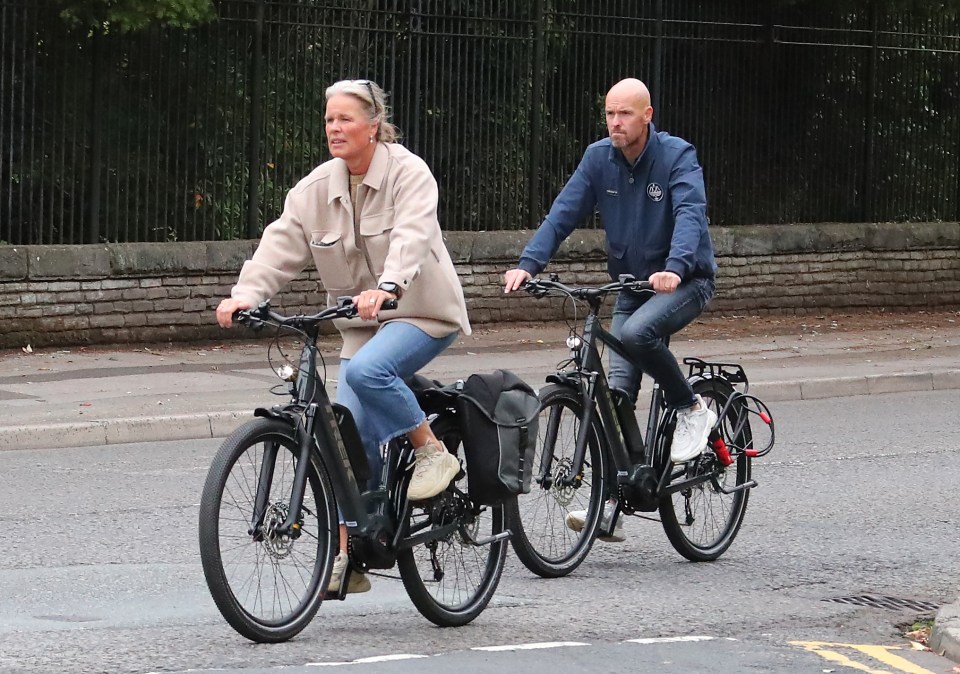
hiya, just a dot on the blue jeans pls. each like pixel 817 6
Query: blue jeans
pixel 371 386
pixel 643 323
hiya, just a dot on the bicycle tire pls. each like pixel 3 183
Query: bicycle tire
pixel 701 522
pixel 541 538
pixel 267 590
pixel 468 574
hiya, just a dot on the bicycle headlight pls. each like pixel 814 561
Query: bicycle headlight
pixel 574 343
pixel 287 373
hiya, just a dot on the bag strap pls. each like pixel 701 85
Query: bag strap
pixel 516 424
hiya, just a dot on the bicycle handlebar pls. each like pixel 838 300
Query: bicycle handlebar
pixel 262 315
pixel 540 287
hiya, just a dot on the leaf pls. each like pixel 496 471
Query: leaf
pixel 27 349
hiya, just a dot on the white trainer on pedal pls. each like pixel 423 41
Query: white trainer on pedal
pixel 434 467
pixel 692 431
pixel 575 520
pixel 358 581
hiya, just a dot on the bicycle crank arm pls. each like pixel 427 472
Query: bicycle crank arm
pixel 740 487
pixel 430 535
pixel 686 484
pixel 503 535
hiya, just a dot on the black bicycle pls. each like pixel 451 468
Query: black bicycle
pixel 269 526
pixel 591 451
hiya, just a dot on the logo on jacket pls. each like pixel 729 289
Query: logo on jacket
pixel 654 191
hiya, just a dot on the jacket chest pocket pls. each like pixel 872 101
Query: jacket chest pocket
pixel 331 260
pixel 375 233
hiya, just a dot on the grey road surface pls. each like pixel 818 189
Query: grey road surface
pixel 100 568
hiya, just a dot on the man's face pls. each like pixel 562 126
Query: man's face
pixel 627 120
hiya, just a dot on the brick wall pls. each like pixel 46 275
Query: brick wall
pixel 60 295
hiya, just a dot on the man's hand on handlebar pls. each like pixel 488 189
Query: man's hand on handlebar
pixel 664 281
pixel 227 308
pixel 514 279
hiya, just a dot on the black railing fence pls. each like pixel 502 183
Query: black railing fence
pixel 803 113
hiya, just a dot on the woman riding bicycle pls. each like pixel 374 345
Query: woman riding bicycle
pixel 367 219
pixel 648 187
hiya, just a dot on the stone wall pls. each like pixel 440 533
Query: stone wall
pixel 61 295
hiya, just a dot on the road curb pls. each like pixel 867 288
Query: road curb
pixel 221 423
pixel 945 635
pixel 119 431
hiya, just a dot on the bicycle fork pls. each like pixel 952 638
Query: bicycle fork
pixel 291 524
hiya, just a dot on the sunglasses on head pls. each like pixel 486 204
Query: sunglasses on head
pixel 369 86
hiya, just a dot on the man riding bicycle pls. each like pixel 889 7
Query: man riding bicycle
pixel 648 188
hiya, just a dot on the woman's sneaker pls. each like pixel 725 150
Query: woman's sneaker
pixel 575 520
pixel 692 431
pixel 358 581
pixel 433 468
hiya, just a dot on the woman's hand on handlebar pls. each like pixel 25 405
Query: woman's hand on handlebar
pixel 368 303
pixel 514 279
pixel 227 308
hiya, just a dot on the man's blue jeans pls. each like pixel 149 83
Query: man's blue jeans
pixel 642 323
pixel 371 385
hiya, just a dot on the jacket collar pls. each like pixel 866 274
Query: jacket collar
pixel 653 140
pixel 376 172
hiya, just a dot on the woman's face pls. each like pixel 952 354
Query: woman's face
pixel 348 128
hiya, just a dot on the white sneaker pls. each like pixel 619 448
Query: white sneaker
pixel 690 435
pixel 575 520
pixel 358 581
pixel 433 469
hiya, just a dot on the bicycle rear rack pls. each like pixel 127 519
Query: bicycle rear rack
pixel 732 372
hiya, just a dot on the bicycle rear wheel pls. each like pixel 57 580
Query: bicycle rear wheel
pixel 541 538
pixel 701 521
pixel 268 586
pixel 452 579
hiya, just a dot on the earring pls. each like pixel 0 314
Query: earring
pixel 371 139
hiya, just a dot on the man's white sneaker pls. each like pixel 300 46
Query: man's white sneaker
pixel 358 581
pixel 575 520
pixel 433 469
pixel 690 435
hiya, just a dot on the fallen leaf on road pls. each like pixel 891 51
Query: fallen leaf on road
pixel 86 404
pixel 27 349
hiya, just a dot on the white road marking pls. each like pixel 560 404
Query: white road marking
pixel 529 647
pixel 374 658
pixel 668 640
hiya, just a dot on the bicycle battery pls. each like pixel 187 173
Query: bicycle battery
pixel 627 417
pixel 352 442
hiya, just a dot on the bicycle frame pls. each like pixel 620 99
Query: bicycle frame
pixel 590 379
pixel 319 435
pixel 593 385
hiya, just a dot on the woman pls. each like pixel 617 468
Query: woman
pixel 368 220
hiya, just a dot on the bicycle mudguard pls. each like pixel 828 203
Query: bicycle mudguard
pixel 280 414
pixel 564 379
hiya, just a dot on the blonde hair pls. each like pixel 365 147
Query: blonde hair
pixel 374 102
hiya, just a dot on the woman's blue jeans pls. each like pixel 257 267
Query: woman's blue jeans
pixel 643 322
pixel 371 386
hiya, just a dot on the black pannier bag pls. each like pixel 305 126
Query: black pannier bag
pixel 498 428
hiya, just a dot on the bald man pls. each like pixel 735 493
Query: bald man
pixel 648 187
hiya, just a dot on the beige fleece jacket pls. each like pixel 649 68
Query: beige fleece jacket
pixel 398 240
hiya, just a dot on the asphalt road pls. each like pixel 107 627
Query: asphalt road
pixel 100 569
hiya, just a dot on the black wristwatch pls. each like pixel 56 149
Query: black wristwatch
pixel 391 288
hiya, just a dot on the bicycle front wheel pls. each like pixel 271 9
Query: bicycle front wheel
pixel 546 539
pixel 702 521
pixel 452 579
pixel 266 585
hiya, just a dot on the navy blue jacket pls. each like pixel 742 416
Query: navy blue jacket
pixel 654 213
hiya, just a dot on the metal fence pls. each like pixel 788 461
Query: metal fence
pixel 800 114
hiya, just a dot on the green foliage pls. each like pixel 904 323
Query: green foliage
pixel 133 15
